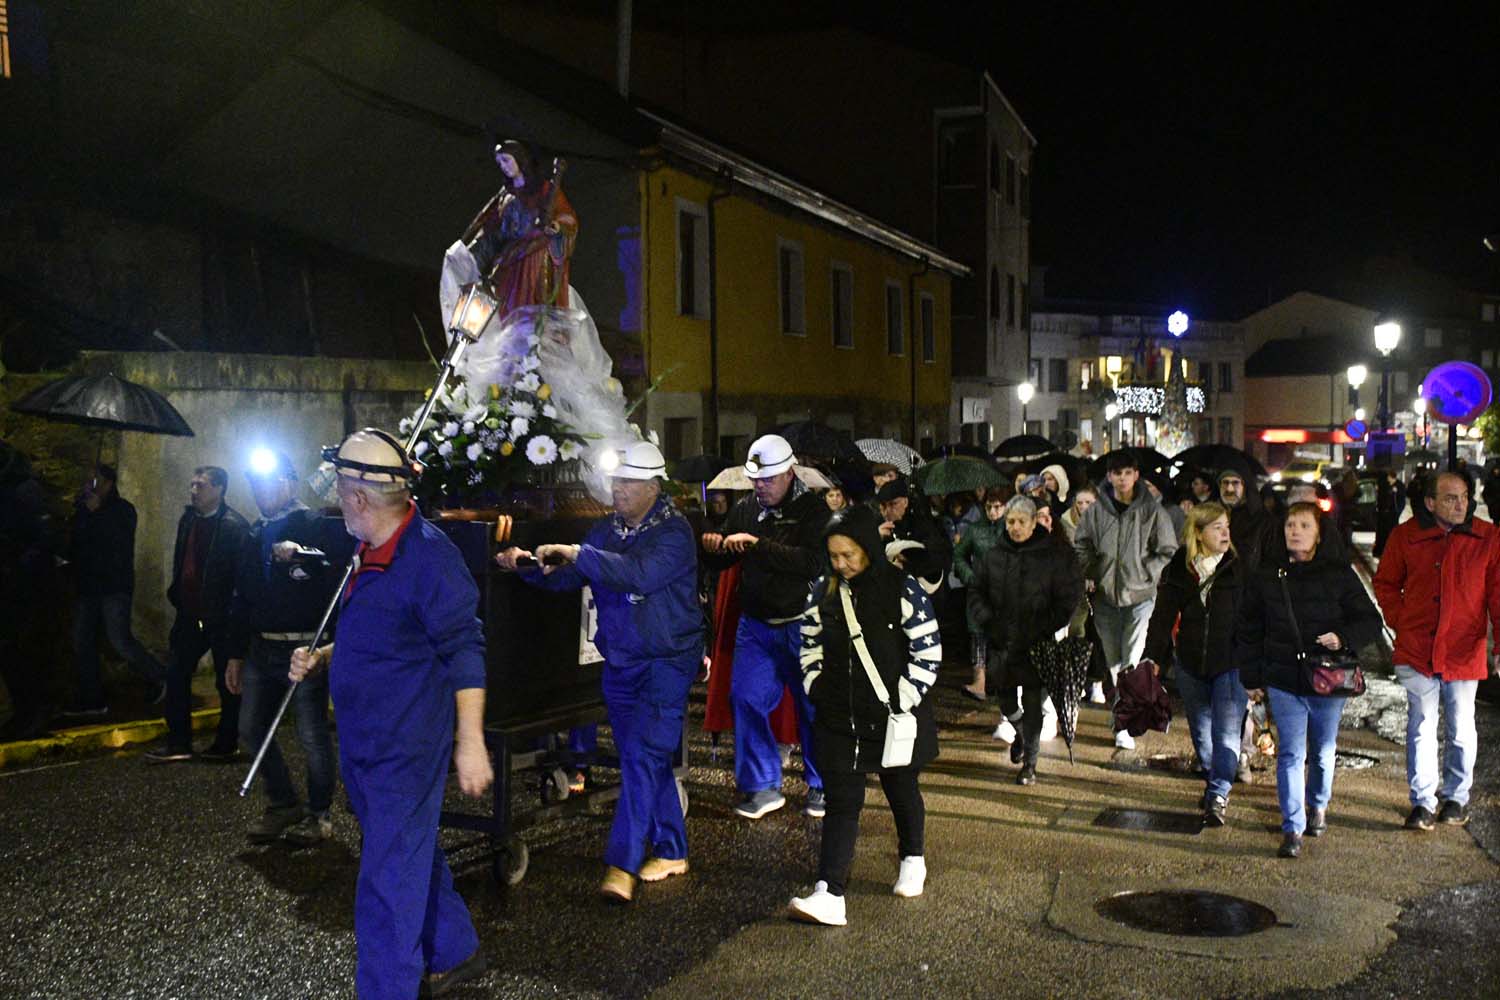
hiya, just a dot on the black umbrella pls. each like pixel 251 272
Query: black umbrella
pixel 810 439
pixel 699 468
pixel 104 401
pixel 1077 468
pixel 1063 668
pixel 1023 446
pixel 1217 457
pixel 950 450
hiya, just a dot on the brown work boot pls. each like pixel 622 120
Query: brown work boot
pixel 618 885
pixel 657 869
pixel 273 822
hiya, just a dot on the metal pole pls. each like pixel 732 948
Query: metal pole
pixel 450 361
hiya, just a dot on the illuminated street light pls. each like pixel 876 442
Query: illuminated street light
pixel 1419 406
pixel 1111 411
pixel 1177 323
pixel 1387 337
pixel 1357 375
pixel 1359 413
pixel 1024 392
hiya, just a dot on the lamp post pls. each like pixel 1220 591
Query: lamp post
pixel 1387 336
pixel 1419 407
pixel 1024 392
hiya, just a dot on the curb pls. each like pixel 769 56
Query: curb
pixel 81 740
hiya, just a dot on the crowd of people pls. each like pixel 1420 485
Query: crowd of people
pixel 843 602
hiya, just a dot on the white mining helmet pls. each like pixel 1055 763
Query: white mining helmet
pixel 371 455
pixel 641 460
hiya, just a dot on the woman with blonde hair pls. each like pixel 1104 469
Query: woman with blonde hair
pixel 1198 599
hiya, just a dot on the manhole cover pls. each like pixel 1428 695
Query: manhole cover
pixel 1354 761
pixel 1149 821
pixel 1186 913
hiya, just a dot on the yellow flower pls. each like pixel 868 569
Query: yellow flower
pixel 545 392
pixel 506 448
pixel 494 390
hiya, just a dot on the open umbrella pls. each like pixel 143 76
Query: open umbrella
pixel 734 478
pixel 1146 459
pixel 699 468
pixel 957 475
pixel 1023 446
pixel 810 439
pixel 1063 668
pixel 953 450
pixel 1077 468
pixel 104 401
pixel 1216 457
pixel 884 450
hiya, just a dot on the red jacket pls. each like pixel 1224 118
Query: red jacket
pixel 1435 589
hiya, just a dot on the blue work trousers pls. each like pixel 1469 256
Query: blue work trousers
pixel 1308 728
pixel 1215 709
pixel 646 707
pixel 408 918
pixel 767 658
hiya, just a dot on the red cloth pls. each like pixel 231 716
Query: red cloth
pixel 194 556
pixel 379 558
pixel 718 714
pixel 1435 589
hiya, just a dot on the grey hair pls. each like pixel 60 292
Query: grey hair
pixel 1024 504
pixel 380 494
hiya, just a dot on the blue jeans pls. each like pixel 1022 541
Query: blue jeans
pixel 767 658
pixel 1423 694
pixel 1215 710
pixel 111 613
pixel 264 683
pixel 1308 727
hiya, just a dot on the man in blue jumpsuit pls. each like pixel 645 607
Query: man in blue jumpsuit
pixel 408 667
pixel 642 565
pixel 778 535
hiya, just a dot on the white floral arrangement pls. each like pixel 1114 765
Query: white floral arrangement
pixel 480 440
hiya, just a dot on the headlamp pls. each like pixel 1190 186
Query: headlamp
pixel 609 460
pixel 263 463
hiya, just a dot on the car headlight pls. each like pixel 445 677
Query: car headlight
pixel 1276 477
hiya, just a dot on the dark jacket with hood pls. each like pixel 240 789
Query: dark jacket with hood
pixel 273 596
pixel 102 547
pixel 1022 594
pixel 1326 596
pixel 1205 635
pixel 935 556
pixel 899 628
pixel 790 554
pixel 227 533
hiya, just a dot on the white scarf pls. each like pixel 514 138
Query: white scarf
pixel 1204 566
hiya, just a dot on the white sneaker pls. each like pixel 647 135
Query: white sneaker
pixel 1005 732
pixel 1096 693
pixel 820 907
pixel 1124 740
pixel 911 877
pixel 1049 721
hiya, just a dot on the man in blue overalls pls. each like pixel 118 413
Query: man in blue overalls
pixel 642 565
pixel 408 667
pixel 778 533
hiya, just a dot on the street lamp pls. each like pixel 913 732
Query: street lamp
pixel 1356 376
pixel 1387 336
pixel 1024 392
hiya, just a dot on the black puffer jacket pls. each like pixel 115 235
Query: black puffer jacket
pixel 789 555
pixel 850 720
pixel 1326 595
pixel 1205 638
pixel 1023 594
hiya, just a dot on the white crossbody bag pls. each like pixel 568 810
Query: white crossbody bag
pixel 900 727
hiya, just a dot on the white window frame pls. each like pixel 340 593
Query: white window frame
pixel 699 214
pixel 900 316
pixel 798 291
pixel 835 268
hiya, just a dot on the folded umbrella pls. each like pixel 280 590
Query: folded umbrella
pixel 1141 701
pixel 1063 667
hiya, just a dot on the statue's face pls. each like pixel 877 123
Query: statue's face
pixel 507 163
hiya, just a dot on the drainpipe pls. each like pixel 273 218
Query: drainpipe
pixel 722 178
pixel 623 17
pixel 916 316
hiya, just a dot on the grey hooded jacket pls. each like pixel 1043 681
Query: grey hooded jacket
pixel 1124 554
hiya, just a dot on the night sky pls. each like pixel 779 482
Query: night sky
pixel 1220 162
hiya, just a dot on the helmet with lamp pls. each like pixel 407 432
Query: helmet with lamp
pixel 770 455
pixel 373 456
pixel 639 460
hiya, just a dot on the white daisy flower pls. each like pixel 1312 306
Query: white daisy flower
pixel 519 426
pixel 549 411
pixel 422 448
pixel 450 429
pixel 521 408
pixel 530 382
pixel 475 413
pixel 468 427
pixel 474 451
pixel 541 450
pixel 445 449
pixel 569 450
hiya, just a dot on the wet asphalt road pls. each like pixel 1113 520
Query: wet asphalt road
pixel 123 880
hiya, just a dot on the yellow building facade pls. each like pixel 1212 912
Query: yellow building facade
pixel 778 315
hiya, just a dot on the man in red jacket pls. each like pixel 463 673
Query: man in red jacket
pixel 1436 586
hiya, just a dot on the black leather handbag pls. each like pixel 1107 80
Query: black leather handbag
pixel 1331 672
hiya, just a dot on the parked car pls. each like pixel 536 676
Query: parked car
pixel 1309 470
